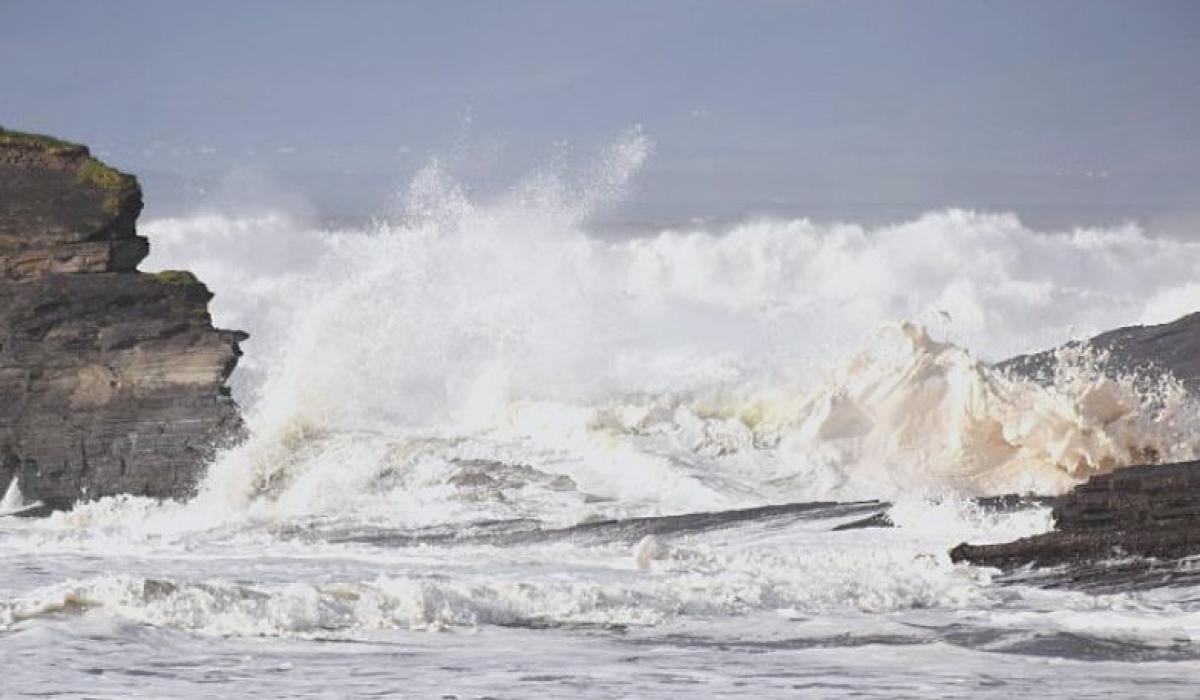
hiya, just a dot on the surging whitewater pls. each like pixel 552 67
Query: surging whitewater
pixel 431 399
pixel 702 368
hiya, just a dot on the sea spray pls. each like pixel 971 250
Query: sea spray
pixel 908 415
pixel 677 370
pixel 466 418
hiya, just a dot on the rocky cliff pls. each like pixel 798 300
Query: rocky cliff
pixel 111 380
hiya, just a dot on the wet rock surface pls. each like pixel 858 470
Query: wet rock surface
pixel 1134 527
pixel 1141 521
pixel 112 381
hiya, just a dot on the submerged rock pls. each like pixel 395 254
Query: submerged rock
pixel 112 381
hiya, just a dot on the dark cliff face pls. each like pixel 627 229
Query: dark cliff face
pixel 111 380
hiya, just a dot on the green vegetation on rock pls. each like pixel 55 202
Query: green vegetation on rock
pixel 100 176
pixel 90 171
pixel 49 142
pixel 97 174
pixel 179 277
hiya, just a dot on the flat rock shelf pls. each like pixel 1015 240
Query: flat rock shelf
pixel 1137 522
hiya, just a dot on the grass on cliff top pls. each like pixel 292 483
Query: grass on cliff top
pixel 177 277
pixel 90 172
pixel 9 136
pixel 97 174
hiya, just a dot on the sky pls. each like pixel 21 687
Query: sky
pixel 1067 112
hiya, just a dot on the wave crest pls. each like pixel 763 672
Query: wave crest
pixel 504 330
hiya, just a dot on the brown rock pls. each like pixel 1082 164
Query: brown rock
pixel 1144 512
pixel 111 380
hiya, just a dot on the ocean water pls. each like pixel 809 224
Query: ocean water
pixel 493 453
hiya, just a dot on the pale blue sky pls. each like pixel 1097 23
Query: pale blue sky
pixel 1074 111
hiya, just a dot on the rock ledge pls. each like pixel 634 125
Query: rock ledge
pixel 1150 512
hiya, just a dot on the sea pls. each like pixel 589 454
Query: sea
pixel 492 452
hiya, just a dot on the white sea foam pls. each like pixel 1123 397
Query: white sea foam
pixel 679 370
pixel 468 363
pixel 760 571
pixel 329 591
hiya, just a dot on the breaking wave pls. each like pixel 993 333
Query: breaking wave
pixel 464 359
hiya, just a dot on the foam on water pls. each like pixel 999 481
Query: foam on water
pixel 681 370
pixel 469 363
pixel 748 570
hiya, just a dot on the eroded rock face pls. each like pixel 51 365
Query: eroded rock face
pixel 111 380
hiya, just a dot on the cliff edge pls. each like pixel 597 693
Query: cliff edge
pixel 112 381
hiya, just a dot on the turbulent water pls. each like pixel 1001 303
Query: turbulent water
pixel 495 453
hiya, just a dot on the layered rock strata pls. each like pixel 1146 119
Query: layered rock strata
pixel 1148 511
pixel 112 381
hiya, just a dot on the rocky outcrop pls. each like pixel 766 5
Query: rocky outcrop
pixel 1143 350
pixel 1138 512
pixel 111 380
pixel 1128 525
